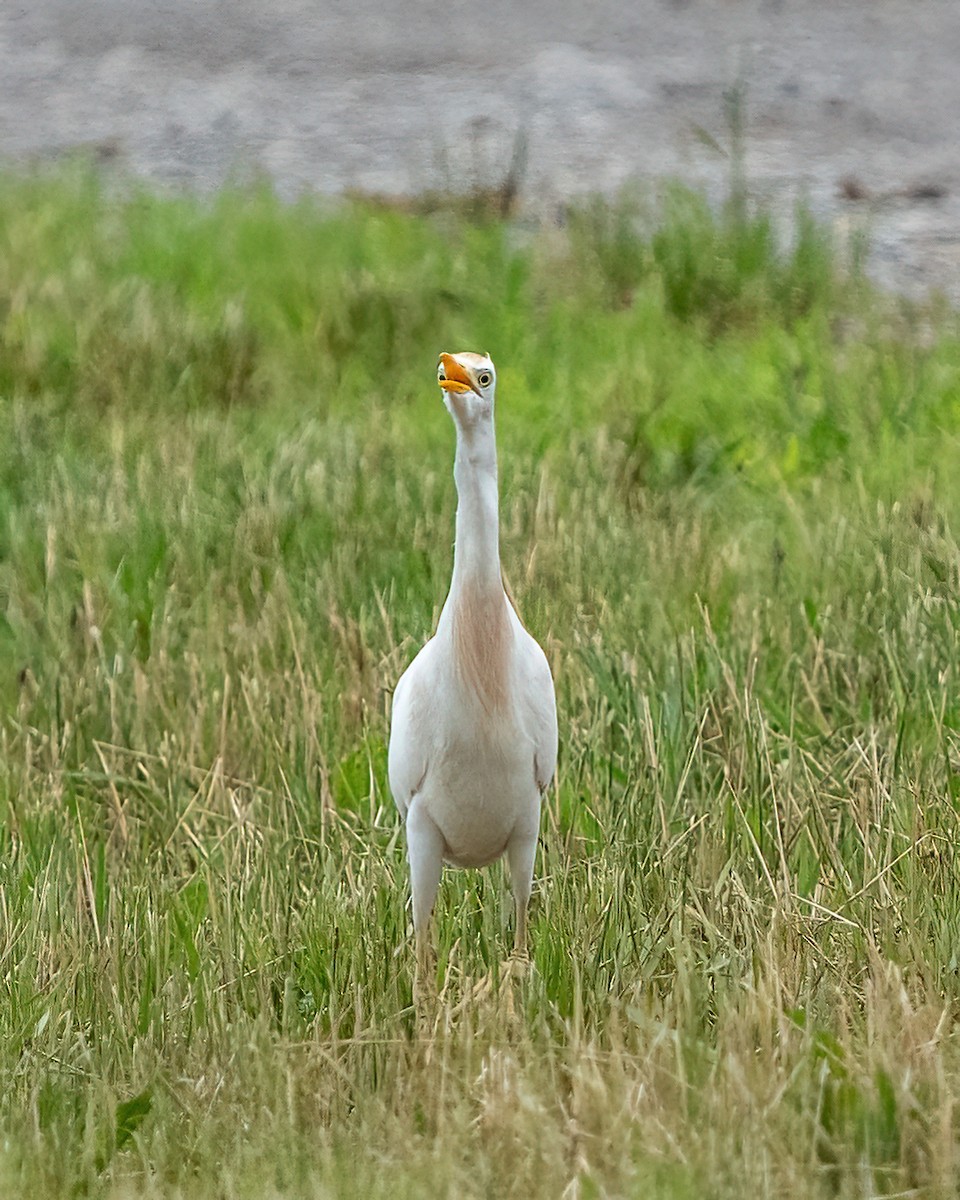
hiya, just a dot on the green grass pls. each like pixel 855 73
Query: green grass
pixel 729 495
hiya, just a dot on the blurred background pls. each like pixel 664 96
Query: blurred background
pixel 850 105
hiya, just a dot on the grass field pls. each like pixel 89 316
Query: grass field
pixel 729 501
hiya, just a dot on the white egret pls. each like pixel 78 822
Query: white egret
pixel 473 738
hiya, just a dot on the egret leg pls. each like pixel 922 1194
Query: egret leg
pixel 425 855
pixel 521 853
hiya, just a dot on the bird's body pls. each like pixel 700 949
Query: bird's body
pixel 479 770
pixel 473 739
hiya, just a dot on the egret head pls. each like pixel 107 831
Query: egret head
pixel 468 382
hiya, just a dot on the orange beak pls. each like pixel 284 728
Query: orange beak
pixel 452 377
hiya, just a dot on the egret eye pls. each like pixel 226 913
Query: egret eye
pixel 441 374
pixel 484 378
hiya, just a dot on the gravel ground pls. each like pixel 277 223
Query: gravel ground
pixel 853 104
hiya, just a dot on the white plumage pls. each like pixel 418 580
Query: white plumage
pixel 473 738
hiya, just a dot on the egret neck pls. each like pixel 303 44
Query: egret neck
pixel 476 555
pixel 477 603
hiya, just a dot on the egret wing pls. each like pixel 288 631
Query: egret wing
pixel 542 711
pixel 407 753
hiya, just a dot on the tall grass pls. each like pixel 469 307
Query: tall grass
pixel 729 498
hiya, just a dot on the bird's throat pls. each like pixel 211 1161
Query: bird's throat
pixel 476 556
pixel 480 621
